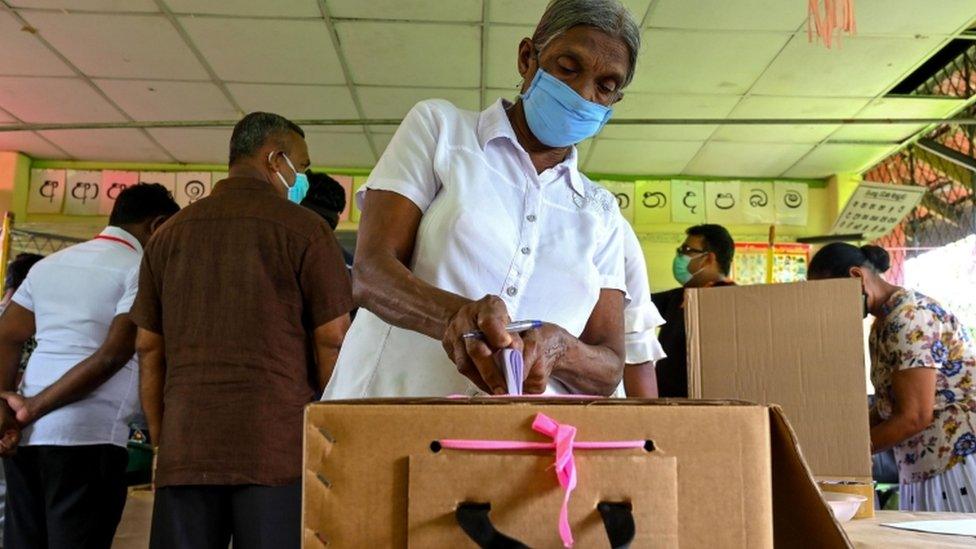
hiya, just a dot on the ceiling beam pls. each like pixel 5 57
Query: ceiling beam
pixel 948 154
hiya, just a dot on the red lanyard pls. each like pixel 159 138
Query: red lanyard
pixel 115 239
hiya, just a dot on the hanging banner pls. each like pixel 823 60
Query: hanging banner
pixel 82 192
pixel 357 182
pixel 113 183
pixel 758 202
pixel 722 202
pixel 166 179
pixel 652 202
pixel 875 209
pixel 623 191
pixel 687 201
pixel 346 182
pixel 46 193
pixel 792 204
pixel 191 186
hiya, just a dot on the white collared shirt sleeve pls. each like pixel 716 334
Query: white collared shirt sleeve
pixel 641 317
pixel 407 166
pixel 23 295
pixel 609 259
pixel 129 294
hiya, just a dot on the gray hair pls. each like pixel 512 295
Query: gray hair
pixel 610 16
pixel 255 129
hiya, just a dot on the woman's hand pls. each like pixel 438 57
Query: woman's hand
pixel 473 356
pixel 542 348
pixel 23 408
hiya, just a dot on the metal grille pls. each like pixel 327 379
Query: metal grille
pixel 38 243
pixel 956 79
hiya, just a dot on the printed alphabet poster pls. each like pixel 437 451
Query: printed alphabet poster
pixel 652 202
pixel 166 179
pixel 876 208
pixel 792 204
pixel 46 194
pixel 722 202
pixel 82 192
pixel 357 182
pixel 687 201
pixel 216 177
pixel 758 202
pixel 623 191
pixel 113 183
pixel 191 186
pixel 346 182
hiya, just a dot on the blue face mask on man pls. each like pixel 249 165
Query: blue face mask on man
pixel 557 115
pixel 297 191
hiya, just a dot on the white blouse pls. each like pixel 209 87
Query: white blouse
pixel 546 243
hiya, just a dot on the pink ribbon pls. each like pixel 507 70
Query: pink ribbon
pixel 563 442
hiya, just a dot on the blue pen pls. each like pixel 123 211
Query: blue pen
pixel 515 327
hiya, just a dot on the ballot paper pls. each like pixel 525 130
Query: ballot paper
pixel 960 527
pixel 510 363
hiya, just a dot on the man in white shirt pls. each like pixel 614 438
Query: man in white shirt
pixel 66 481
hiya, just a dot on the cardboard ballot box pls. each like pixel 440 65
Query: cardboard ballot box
pixel 706 474
pixel 800 346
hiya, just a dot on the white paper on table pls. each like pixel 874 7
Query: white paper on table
pixel 959 527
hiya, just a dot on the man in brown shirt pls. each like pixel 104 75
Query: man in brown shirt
pixel 242 306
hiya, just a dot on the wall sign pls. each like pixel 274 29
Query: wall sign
pixel 623 191
pixel 166 179
pixel 46 191
pixel 792 203
pixel 687 201
pixel 652 202
pixel 113 183
pixel 876 208
pixel 191 186
pixel 758 202
pixel 82 192
pixel 723 202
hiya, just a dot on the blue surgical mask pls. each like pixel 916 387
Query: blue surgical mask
pixel 557 115
pixel 296 192
pixel 679 267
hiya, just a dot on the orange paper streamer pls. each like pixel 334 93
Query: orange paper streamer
pixel 835 14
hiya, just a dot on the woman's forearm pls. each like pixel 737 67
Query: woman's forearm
pixel 586 369
pixel 894 430
pixel 388 289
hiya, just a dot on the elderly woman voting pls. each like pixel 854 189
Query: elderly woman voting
pixel 472 220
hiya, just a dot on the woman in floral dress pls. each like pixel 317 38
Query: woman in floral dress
pixel 923 365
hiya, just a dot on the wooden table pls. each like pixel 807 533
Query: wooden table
pixel 868 533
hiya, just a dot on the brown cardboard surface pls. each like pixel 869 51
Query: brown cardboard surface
pixel 797 345
pixel 358 455
pixel 525 497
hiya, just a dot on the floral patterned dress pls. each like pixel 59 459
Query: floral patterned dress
pixel 916 332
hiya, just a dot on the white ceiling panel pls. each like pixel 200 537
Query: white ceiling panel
pixel 829 158
pixel 646 105
pixel 339 149
pixel 114 145
pixel 864 66
pixel 407 10
pixel 501 69
pixel 30 144
pixel 163 100
pixel 528 12
pixel 265 50
pixel 728 15
pixel 129 46
pixel 896 107
pixel 55 100
pixel 396 102
pixel 252 8
pixel 408 54
pixel 88 5
pixel 745 159
pixel 909 17
pixel 24 54
pixel 6 118
pixel 382 140
pixel 788 107
pixel 195 145
pixel 696 62
pixel 293 101
pixel 640 157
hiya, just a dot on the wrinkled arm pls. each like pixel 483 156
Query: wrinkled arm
pixel 913 405
pixel 640 380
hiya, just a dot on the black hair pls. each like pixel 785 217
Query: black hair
pixel 254 130
pixel 17 270
pixel 718 241
pixel 836 259
pixel 141 202
pixel 326 197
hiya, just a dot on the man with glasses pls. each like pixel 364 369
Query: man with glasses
pixel 703 260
